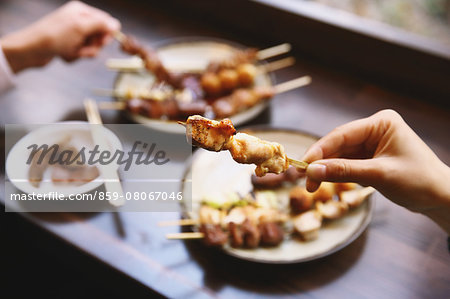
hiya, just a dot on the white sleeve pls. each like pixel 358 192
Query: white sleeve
pixel 6 74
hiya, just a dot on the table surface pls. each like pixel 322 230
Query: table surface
pixel 401 255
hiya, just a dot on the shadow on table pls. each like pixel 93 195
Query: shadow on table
pixel 224 270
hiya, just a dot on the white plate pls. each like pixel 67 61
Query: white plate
pixel 193 53
pixel 217 174
pixel 17 168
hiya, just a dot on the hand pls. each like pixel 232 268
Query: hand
pixel 384 152
pixel 74 30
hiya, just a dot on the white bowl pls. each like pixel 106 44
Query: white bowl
pixel 17 168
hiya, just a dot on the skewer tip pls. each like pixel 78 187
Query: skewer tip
pixel 182 123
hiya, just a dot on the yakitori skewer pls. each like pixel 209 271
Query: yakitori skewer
pixel 269 157
pixel 177 109
pixel 252 225
pixel 172 108
pixel 240 56
pixel 150 59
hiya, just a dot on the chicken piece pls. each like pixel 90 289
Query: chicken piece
pixel 239 57
pixel 209 134
pixel 209 215
pixel 324 193
pixel 353 198
pixel 236 215
pixel 332 209
pixel 307 225
pixel 246 74
pixel 218 135
pixel 241 99
pixel 236 236
pixel 213 235
pixel 151 61
pixel 271 233
pixel 300 200
pixel 262 215
pixel 251 234
pixel 267 156
pixel 228 79
pixel 76 176
pixel 210 83
pixel 339 187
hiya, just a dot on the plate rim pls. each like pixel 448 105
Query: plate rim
pixel 263 127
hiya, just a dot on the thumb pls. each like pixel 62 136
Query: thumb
pixel 365 172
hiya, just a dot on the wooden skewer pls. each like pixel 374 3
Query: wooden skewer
pixel 298 164
pixel 184 236
pixel 273 51
pixel 108 172
pixel 112 105
pixel 179 222
pixel 276 65
pixel 292 84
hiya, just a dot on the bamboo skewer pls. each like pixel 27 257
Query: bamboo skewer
pixel 292 84
pixel 179 222
pixel 298 164
pixel 274 51
pixel 184 236
pixel 108 172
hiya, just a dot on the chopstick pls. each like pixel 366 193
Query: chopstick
pixel 108 171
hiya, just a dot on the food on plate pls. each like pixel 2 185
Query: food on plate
pixel 325 192
pixel 241 99
pixel 353 198
pixel 151 60
pixel 332 209
pixel 246 149
pixel 308 224
pixel 300 200
pixel 74 172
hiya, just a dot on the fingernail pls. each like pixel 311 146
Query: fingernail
pixel 316 172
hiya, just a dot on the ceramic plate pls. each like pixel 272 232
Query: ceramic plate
pixel 192 53
pixel 215 174
pixel 52 134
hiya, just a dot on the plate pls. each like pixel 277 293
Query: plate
pixel 215 174
pixel 51 134
pixel 191 52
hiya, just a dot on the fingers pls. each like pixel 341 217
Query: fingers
pixel 357 139
pixel 365 172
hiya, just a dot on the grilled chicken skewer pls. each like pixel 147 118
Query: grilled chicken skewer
pixel 247 149
pixel 155 105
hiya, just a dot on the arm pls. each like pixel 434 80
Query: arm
pixel 384 152
pixel 72 31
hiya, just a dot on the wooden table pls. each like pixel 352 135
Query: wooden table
pixel 401 255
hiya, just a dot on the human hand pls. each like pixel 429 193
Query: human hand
pixel 72 31
pixel 384 152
